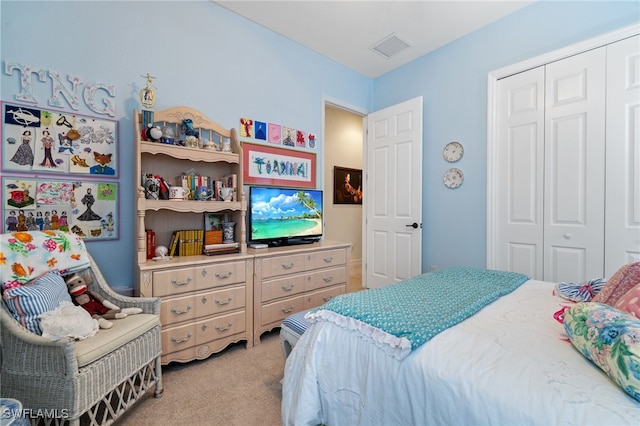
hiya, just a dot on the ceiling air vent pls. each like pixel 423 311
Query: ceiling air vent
pixel 390 46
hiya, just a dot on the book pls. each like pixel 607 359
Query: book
pixel 231 181
pixel 223 248
pixel 220 251
pixel 216 190
pixel 173 245
pixel 151 244
pixel 191 242
pixel 221 245
pixel 199 241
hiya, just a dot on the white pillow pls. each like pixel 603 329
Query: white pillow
pixel 68 320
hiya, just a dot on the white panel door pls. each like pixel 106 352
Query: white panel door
pixel 575 167
pixel 622 241
pixel 393 188
pixel 519 177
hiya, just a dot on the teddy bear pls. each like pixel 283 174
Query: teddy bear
pixel 100 308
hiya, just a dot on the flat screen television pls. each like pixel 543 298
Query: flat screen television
pixel 284 216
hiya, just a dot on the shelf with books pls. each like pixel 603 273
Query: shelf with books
pixel 197 170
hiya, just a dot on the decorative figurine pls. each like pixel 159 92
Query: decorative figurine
pixel 168 136
pixel 147 95
pixel 191 135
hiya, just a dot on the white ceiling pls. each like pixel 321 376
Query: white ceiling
pixel 346 30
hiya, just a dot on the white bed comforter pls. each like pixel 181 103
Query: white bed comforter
pixel 506 365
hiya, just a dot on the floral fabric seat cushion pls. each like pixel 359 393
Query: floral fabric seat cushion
pixel 24 256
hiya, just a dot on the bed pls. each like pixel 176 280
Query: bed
pixel 510 363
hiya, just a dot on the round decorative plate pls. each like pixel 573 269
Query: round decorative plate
pixel 453 152
pixel 453 178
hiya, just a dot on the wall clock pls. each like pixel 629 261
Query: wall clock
pixel 453 178
pixel 453 152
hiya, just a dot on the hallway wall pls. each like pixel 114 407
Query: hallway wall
pixel 343 147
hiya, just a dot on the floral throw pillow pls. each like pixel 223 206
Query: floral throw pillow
pixel 610 338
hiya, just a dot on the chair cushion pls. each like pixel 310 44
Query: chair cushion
pixel 26 303
pixel 296 322
pixel 105 341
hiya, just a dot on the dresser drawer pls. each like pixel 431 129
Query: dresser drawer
pixel 177 309
pixel 203 331
pixel 320 297
pixel 278 311
pixel 174 281
pixel 326 258
pixel 282 265
pixel 327 278
pixel 284 287
pixel 219 327
pixel 220 274
pixel 177 338
pixel 219 301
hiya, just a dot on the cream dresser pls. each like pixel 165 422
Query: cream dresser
pixel 294 278
pixel 207 303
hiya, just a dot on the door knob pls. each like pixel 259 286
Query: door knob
pixel 413 225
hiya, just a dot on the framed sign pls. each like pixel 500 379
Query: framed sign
pixel 347 186
pixel 269 165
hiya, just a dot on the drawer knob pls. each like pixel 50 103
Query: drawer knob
pixel 178 312
pixel 224 328
pixel 328 279
pixel 180 283
pixel 328 259
pixel 291 309
pixel 185 339
pixel 288 288
pixel 327 298
pixel 223 275
pixel 287 265
pixel 223 302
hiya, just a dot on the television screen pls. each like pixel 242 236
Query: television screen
pixel 280 216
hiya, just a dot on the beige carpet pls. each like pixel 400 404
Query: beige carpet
pixel 237 386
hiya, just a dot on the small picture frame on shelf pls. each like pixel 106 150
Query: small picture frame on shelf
pixel 214 221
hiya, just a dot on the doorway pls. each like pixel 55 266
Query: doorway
pixel 343 147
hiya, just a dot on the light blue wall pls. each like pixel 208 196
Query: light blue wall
pixel 202 55
pixel 208 58
pixel 453 83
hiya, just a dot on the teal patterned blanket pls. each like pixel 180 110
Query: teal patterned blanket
pixel 402 316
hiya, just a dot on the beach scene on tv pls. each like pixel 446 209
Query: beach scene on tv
pixel 283 213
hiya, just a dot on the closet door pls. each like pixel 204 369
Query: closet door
pixel 575 167
pixel 519 173
pixel 622 241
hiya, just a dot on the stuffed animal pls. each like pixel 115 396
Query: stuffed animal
pixel 100 308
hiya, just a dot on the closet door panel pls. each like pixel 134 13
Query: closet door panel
pixel 622 241
pixel 519 182
pixel 574 167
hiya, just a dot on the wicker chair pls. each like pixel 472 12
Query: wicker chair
pixel 91 381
